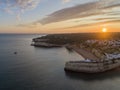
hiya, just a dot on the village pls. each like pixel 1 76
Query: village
pixel 99 56
pixel 104 49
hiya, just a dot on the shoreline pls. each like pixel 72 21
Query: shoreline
pixel 85 54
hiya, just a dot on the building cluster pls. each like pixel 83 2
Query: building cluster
pixel 112 56
pixel 109 48
pixel 110 43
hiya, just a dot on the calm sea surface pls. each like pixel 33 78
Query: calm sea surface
pixel 43 69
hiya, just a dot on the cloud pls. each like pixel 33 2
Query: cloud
pixel 96 23
pixel 18 6
pixel 83 10
pixel 65 1
pixel 69 13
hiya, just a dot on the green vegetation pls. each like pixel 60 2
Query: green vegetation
pixel 77 38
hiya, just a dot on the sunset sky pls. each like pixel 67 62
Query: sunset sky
pixel 59 16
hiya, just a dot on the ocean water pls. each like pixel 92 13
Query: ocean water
pixel 43 69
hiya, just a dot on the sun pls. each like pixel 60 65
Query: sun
pixel 104 30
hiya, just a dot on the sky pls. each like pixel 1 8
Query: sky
pixel 59 16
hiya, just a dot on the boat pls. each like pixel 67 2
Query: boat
pixel 92 66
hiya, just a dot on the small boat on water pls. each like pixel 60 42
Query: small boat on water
pixel 92 66
pixel 15 52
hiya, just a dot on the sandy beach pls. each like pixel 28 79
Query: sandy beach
pixel 86 54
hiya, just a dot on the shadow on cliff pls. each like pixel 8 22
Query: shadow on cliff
pixel 92 77
pixel 46 48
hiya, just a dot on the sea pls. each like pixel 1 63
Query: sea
pixel 33 68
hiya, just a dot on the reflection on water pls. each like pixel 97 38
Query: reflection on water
pixel 43 69
pixel 91 77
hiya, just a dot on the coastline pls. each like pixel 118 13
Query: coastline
pixel 86 54
pixel 99 55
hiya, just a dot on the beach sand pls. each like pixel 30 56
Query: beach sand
pixel 86 54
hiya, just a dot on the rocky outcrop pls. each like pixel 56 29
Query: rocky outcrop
pixel 89 66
